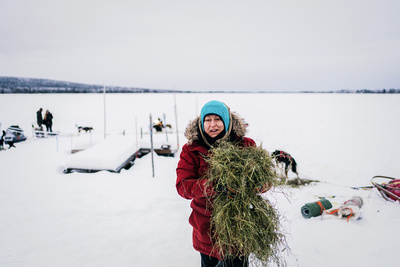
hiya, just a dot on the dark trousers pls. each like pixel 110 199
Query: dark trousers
pixel 49 128
pixel 208 261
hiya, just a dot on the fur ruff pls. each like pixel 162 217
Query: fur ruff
pixel 192 132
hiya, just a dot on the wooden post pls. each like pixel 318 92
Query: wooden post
pixel 151 142
pixel 57 141
pixel 165 128
pixel 137 143
pixel 104 100
pixel 176 123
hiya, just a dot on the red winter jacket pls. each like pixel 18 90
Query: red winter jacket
pixel 190 170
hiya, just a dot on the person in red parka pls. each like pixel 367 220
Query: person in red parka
pixel 216 123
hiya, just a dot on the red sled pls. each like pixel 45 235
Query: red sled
pixel 390 189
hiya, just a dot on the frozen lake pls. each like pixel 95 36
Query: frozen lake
pixel 132 219
pixel 332 131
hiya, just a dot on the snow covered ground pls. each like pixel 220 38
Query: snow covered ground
pixel 48 218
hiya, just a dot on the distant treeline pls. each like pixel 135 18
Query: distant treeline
pixel 361 91
pixel 14 85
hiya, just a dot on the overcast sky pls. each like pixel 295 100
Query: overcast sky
pixel 243 45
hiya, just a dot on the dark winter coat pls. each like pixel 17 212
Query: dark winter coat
pixel 190 185
pixel 48 119
pixel 39 118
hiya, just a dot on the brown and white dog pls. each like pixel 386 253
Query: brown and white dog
pixel 290 163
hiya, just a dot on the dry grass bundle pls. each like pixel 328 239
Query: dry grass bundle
pixel 245 223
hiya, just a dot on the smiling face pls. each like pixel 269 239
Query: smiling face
pixel 213 125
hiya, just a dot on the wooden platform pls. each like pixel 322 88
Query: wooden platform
pixel 111 155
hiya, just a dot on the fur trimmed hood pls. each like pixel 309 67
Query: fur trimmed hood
pixel 192 132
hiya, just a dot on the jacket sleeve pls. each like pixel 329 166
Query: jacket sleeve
pixel 249 142
pixel 188 183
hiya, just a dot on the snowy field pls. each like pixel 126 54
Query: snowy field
pixel 48 218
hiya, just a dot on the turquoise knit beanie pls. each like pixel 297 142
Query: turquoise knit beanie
pixel 217 108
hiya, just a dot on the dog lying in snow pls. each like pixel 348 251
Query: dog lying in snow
pixel 84 128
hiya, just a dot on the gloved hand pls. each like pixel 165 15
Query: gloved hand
pixel 262 189
pixel 258 190
pixel 224 189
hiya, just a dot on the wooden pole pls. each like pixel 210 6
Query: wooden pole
pixel 104 100
pixel 165 128
pixel 151 142
pixel 176 122
pixel 196 114
pixel 137 143
pixel 57 141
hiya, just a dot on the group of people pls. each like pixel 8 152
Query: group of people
pixel 47 120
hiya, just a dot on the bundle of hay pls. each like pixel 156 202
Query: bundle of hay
pixel 242 222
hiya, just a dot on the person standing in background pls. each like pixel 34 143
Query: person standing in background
pixel 39 118
pixel 48 121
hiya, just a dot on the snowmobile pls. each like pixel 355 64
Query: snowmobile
pixel 14 134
